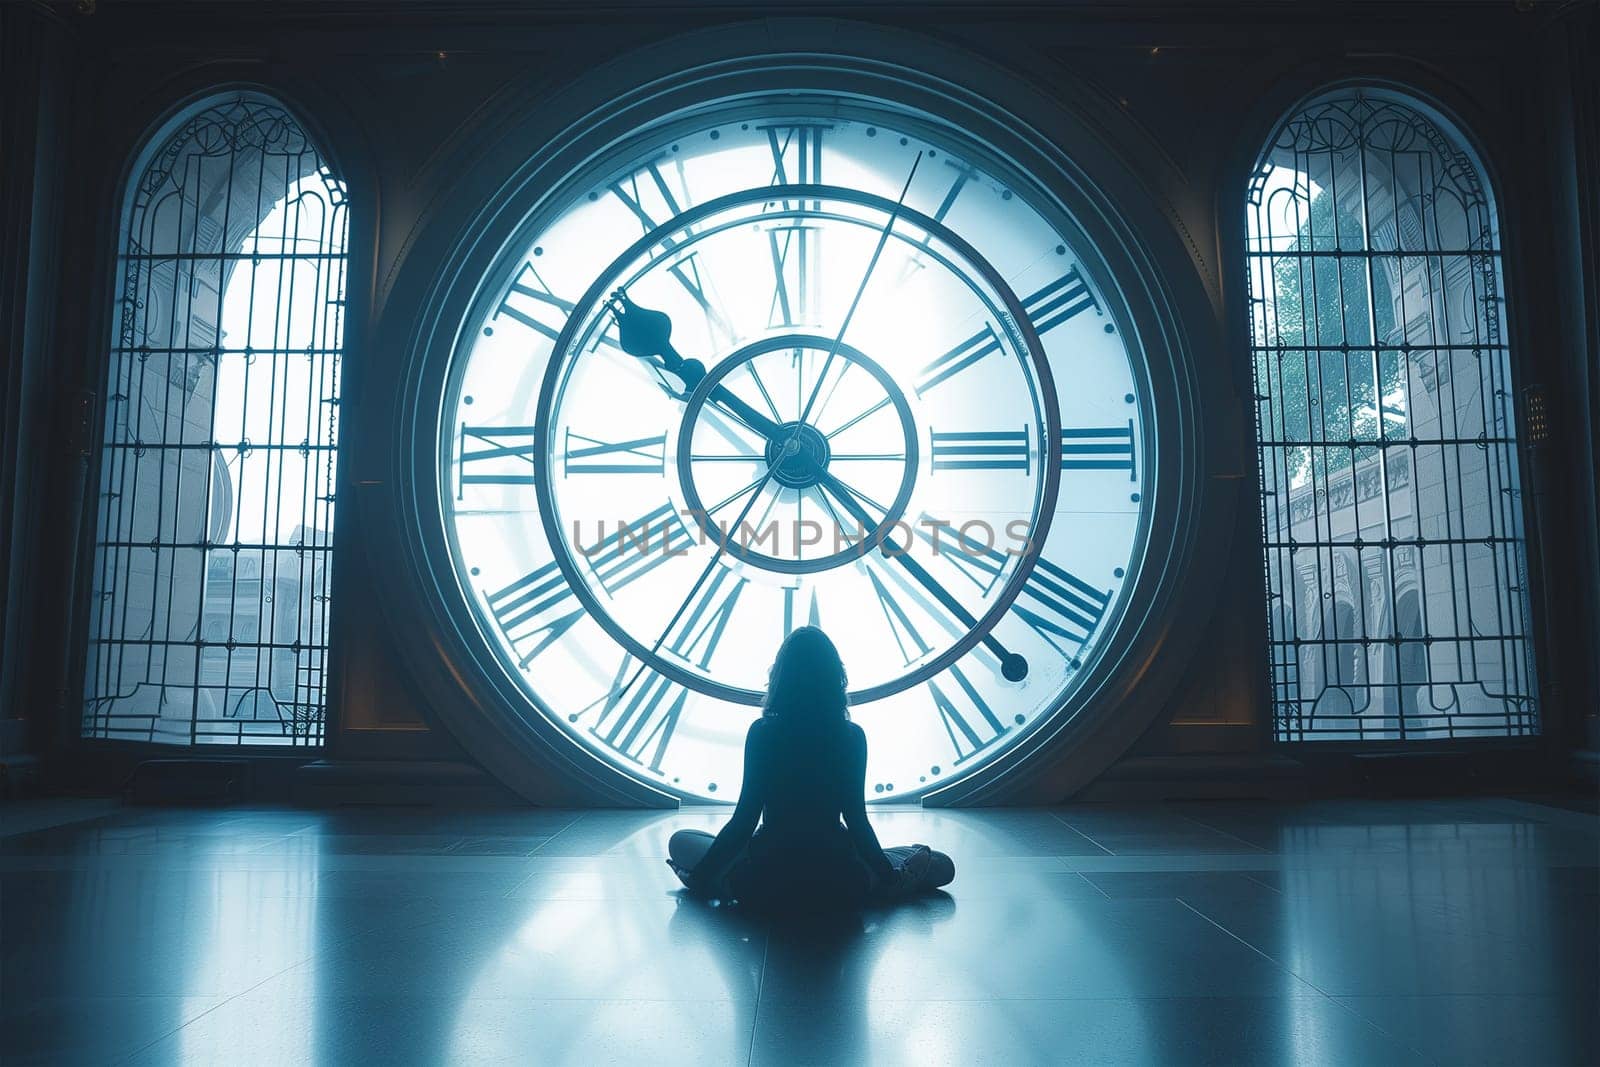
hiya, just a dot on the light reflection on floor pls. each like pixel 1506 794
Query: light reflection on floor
pixel 1335 932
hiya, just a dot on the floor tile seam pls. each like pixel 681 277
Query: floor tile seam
pixel 1092 883
pixel 1251 845
pixel 1339 999
pixel 1279 964
pixel 73 821
pixel 1270 888
pixel 1109 998
pixel 577 817
pixel 220 1003
pixel 296 965
pixel 1546 814
pixel 509 998
pixel 1056 815
pixel 524 998
pixel 761 984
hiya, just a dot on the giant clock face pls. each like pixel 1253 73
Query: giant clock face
pixel 806 361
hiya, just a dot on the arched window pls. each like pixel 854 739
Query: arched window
pixel 208 620
pixel 1391 502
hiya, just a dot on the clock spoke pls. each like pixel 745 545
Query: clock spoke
pixel 868 413
pixel 733 428
pixel 758 484
pixel 838 523
pixel 761 386
pixel 833 391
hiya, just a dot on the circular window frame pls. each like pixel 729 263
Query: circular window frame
pixel 500 196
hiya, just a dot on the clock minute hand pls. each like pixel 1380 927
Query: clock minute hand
pixel 646 334
pixel 902 555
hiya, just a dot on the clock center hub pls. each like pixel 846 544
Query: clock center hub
pixel 815 493
pixel 798 457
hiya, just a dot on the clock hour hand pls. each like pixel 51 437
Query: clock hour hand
pixel 646 334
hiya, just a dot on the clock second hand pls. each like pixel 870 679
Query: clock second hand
pixel 793 439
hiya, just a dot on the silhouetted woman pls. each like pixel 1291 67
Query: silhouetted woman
pixel 805 768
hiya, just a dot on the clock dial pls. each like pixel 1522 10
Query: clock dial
pixel 731 385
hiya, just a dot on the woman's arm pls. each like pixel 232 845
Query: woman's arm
pixel 855 811
pixel 733 838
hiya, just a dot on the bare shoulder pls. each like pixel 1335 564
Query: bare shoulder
pixel 858 736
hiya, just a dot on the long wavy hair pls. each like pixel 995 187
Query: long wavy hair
pixel 807 684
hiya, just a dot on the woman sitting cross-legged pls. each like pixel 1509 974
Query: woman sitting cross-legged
pixel 805 768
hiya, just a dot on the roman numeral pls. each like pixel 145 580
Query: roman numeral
pixel 984 565
pixel 1048 308
pixel 530 302
pixel 590 455
pixel 905 635
pixel 1104 448
pixel 790 624
pixel 633 192
pixel 1061 607
pixel 647 715
pixel 1062 299
pixel 705 624
pixel 531 611
pixel 990 450
pixel 636 548
pixel 964 174
pixel 968 720
pixel 796 153
pixel 794 258
pixel 635 189
pixel 796 160
pixel 958 359
pixel 495 455
pixel 687 271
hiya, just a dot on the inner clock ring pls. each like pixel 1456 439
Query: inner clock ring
pixel 1009 321
pixel 801 457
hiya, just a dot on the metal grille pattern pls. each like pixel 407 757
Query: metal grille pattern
pixel 1391 503
pixel 209 608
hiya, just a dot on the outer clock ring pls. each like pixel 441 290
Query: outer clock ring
pixel 1014 318
pixel 1096 187
pixel 696 402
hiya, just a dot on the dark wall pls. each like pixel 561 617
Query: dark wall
pixel 401 94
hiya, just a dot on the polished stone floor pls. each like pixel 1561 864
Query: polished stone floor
pixel 1338 932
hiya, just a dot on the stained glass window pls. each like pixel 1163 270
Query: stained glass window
pixel 1391 508
pixel 210 597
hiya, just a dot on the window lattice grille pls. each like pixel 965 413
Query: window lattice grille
pixel 1391 502
pixel 209 607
